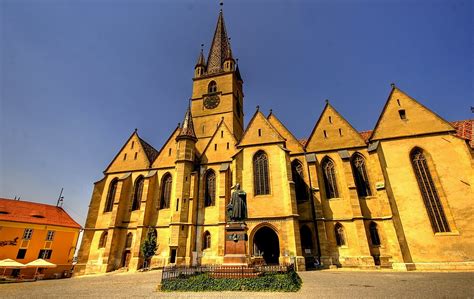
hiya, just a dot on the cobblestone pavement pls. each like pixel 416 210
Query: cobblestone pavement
pixel 327 284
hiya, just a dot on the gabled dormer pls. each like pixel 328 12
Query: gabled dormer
pixel 332 132
pixel 260 131
pixel 221 147
pixel 134 155
pixel 403 116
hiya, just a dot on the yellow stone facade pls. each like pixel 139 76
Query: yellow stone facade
pixel 296 220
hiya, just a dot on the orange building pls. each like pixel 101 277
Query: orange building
pixel 29 231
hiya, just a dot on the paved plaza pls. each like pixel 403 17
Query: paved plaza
pixel 327 284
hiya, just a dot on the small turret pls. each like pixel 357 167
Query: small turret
pixel 200 67
pixel 229 62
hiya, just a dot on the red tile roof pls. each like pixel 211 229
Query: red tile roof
pixel 32 212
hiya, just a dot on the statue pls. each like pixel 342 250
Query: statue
pixel 237 208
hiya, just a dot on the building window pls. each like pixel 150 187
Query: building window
pixel 103 239
pixel 166 183
pixel 210 189
pixel 125 157
pixel 128 242
pixel 374 234
pixel 21 254
pixel 206 240
pixel 340 237
pixel 50 235
pixel 109 203
pixel 212 87
pixel 137 193
pixel 360 175
pixel 428 192
pixel 27 233
pixel 402 113
pixel 298 177
pixel 45 254
pixel 133 143
pixel 329 176
pixel 260 174
pixel 136 155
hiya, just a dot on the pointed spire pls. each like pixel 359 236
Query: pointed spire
pixel 187 129
pixel 228 54
pixel 220 47
pixel 201 61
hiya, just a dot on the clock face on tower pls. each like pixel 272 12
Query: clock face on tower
pixel 211 102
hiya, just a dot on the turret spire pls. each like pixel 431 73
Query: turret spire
pixel 220 47
pixel 201 61
pixel 187 129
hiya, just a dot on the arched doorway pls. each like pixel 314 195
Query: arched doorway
pixel 267 245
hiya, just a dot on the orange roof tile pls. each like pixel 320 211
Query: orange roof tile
pixel 32 212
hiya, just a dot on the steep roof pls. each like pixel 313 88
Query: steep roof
pixel 201 61
pixel 187 128
pixel 36 213
pixel 150 151
pixel 220 47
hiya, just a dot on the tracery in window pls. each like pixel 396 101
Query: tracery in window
pixel 212 87
pixel 329 177
pixel 206 240
pixel 260 174
pixel 301 188
pixel 360 175
pixel 137 193
pixel 166 183
pixel 109 203
pixel 210 188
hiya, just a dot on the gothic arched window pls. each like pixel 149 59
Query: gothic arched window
pixel 260 174
pixel 137 193
pixel 210 189
pixel 428 191
pixel 329 176
pixel 103 239
pixel 374 234
pixel 212 87
pixel 298 177
pixel 206 240
pixel 128 241
pixel 360 175
pixel 109 203
pixel 340 236
pixel 166 183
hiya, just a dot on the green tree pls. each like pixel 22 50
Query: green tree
pixel 149 247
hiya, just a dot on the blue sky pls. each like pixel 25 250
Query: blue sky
pixel 76 77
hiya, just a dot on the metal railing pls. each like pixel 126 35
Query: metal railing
pixel 223 271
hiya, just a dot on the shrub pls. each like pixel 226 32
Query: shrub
pixel 286 282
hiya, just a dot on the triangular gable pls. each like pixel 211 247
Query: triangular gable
pixel 221 146
pixel 404 116
pixel 332 132
pixel 260 131
pixel 134 154
pixel 167 155
pixel 291 142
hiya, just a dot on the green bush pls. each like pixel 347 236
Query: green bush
pixel 287 282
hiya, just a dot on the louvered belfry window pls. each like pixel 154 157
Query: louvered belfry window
pixel 260 174
pixel 429 192
pixel 109 203
pixel 137 193
pixel 329 176
pixel 166 191
pixel 210 189
pixel 298 177
pixel 360 175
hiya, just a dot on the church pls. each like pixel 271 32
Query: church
pixel 399 196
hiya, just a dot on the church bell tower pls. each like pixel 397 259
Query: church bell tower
pixel 217 89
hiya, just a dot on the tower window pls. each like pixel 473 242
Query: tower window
pixel 215 147
pixel 210 189
pixel 429 192
pixel 325 134
pixel 402 114
pixel 329 177
pixel 177 204
pixel 136 155
pixel 330 120
pixel 259 132
pixel 222 134
pixel 166 191
pixel 212 87
pixel 340 132
pixel 398 102
pixel 227 145
pixel 133 143
pixel 125 157
pixel 169 152
pixel 260 174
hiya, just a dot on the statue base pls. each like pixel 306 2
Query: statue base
pixel 236 249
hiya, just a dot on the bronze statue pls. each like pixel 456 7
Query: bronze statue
pixel 237 208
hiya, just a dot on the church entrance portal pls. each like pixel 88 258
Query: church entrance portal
pixel 266 244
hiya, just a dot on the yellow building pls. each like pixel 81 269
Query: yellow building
pixel 29 231
pixel 399 196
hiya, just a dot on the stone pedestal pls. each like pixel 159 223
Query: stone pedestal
pixel 236 249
